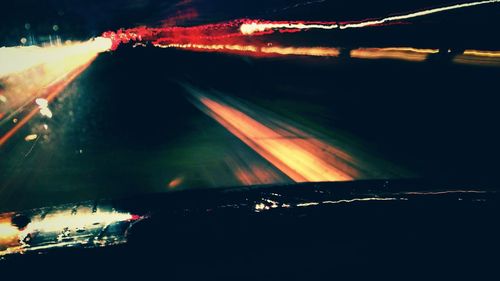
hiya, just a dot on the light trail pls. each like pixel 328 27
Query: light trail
pixel 258 51
pixel 300 159
pixel 240 36
pixel 415 14
pixel 478 53
pixel 401 53
pixel 408 54
pixel 477 57
pixel 252 27
pixel 302 51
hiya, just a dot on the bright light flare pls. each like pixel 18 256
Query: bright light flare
pixel 33 76
pixel 478 53
pixel 253 27
pixel 17 59
pixel 59 221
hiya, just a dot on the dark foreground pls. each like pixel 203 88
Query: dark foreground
pixel 359 229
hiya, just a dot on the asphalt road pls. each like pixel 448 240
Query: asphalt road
pixel 143 120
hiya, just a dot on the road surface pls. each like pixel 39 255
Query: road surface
pixel 143 120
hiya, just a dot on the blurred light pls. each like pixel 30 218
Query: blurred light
pixel 31 137
pixel 83 219
pixel 490 54
pixel 401 53
pixel 42 102
pixel 477 57
pixel 8 234
pixel 41 73
pixel 301 159
pixel 175 182
pixel 45 111
pixel 302 51
pixel 250 27
pixel 255 50
pixel 415 14
pixel 259 26
pixel 62 228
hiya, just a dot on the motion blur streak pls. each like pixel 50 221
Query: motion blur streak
pixel 491 54
pixel 28 73
pixel 252 50
pixel 238 36
pixel 299 158
pixel 302 51
pixel 476 57
pixel 415 14
pixel 409 54
pixel 260 26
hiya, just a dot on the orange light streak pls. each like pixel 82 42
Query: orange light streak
pixel 298 158
pixel 409 54
pixel 477 57
pixel 254 50
pixel 478 53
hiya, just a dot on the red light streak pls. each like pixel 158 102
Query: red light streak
pixel 246 27
pixel 239 36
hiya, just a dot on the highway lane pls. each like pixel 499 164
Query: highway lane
pixel 128 125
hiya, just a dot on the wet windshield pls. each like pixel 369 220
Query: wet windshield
pixel 108 99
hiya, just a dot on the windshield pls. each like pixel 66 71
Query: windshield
pixel 109 99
